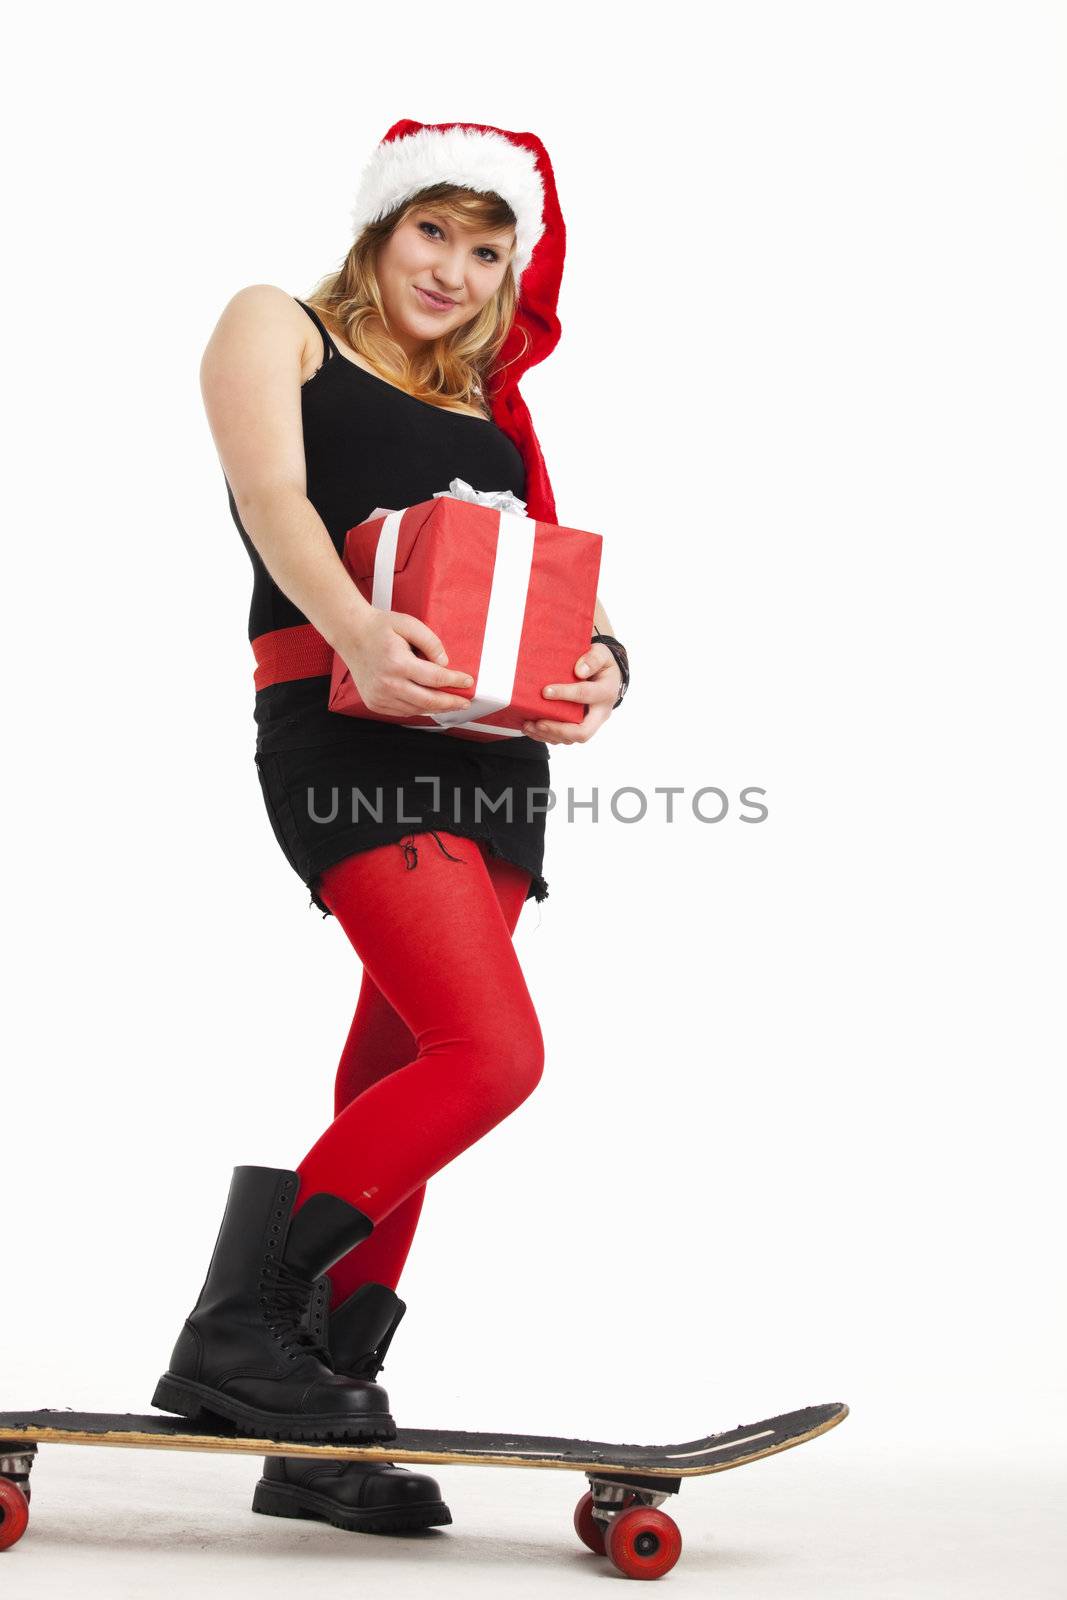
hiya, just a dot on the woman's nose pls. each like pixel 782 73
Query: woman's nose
pixel 449 275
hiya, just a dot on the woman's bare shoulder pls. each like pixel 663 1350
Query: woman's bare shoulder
pixel 263 304
pixel 259 318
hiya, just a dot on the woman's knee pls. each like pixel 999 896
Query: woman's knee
pixel 530 1064
pixel 509 1056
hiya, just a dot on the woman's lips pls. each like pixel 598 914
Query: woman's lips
pixel 432 303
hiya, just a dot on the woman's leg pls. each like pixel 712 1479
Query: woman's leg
pixel 431 931
pixel 379 1042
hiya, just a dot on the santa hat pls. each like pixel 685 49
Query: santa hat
pixel 414 156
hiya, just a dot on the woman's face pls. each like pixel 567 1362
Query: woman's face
pixel 463 265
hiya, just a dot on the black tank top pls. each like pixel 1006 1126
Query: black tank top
pixel 366 444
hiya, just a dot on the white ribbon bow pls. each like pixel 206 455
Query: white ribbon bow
pixel 496 499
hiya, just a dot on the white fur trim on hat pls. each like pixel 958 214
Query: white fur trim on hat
pixel 470 157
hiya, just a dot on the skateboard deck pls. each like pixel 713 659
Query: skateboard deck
pixel 618 1516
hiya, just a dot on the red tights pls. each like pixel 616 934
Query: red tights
pixel 444 1044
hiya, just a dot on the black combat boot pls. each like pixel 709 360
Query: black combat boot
pixel 360 1496
pixel 245 1353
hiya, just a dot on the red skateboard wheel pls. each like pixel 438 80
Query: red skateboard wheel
pixel 588 1529
pixel 643 1542
pixel 586 1526
pixel 14 1513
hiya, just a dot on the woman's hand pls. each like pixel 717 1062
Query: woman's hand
pixel 390 677
pixel 599 691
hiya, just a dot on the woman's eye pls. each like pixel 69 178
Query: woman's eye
pixel 486 248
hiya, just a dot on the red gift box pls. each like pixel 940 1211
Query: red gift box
pixel 511 599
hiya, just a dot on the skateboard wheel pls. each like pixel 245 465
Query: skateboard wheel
pixel 643 1542
pixel 586 1526
pixel 588 1529
pixel 14 1513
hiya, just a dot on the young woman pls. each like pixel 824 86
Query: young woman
pixel 396 376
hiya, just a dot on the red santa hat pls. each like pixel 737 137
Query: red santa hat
pixel 414 156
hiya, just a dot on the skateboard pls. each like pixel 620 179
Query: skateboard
pixel 618 1516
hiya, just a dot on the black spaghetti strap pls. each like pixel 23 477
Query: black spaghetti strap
pixel 328 344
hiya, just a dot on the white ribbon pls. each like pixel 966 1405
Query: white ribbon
pixel 495 499
pixel 495 684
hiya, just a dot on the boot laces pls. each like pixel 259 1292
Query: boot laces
pixel 285 1301
pixel 371 1364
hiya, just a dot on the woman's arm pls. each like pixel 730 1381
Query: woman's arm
pixel 250 381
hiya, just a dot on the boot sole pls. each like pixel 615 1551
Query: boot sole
pixel 197 1402
pixel 287 1500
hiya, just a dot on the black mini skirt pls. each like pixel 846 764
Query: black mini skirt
pixel 335 800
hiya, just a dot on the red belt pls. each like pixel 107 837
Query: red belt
pixel 287 653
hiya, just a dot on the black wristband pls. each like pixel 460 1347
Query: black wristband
pixel 622 661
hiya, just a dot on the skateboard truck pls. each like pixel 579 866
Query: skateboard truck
pixel 16 1459
pixel 619 1518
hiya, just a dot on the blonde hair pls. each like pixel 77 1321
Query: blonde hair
pixel 451 371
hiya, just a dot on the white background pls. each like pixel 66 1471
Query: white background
pixel 799 1132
